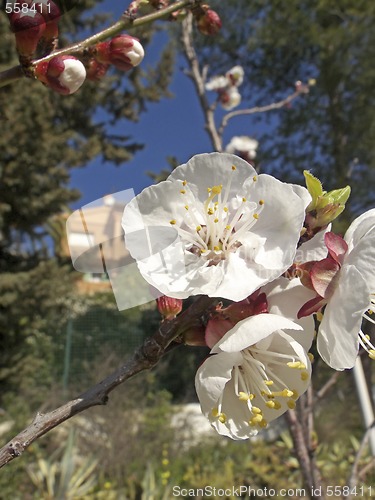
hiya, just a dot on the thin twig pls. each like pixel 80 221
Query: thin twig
pixel 327 386
pixel 257 109
pixel 198 78
pixel 144 358
pixel 12 74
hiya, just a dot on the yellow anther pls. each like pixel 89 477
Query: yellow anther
pixel 234 168
pixel 242 396
pixel 209 190
pixel 261 202
pixel 294 364
pixel 311 357
pixel 295 395
pixel 186 207
pixel 256 410
pixel 263 423
pixel 217 189
pixel 228 227
pixel 270 404
pixel 255 178
pixel 184 183
pixel 277 405
pixel 182 191
pixel 268 382
pixel 216 220
pixel 256 216
pixel 210 211
pixel 371 353
pixel 256 419
pixel 304 376
pixel 225 209
pixel 198 228
pixel 215 412
pixel 216 248
pixel 319 316
pixel 173 221
pixel 291 404
pixel 222 418
pixel 286 393
pixel 251 396
pixel 367 336
pixel 244 199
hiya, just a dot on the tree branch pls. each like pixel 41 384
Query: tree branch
pixel 13 74
pixel 144 358
pixel 198 78
pixel 257 109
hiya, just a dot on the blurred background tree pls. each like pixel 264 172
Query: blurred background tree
pixel 45 136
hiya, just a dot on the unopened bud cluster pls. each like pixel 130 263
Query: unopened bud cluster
pixel 35 27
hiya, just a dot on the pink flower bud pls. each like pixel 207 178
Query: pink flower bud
pixel 63 74
pixel 209 23
pixel 95 70
pixel 123 51
pixel 51 14
pixel 28 27
pixel 169 307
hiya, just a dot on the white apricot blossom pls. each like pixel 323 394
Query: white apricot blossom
pixel 243 145
pixel 345 285
pixel 214 227
pixel 256 372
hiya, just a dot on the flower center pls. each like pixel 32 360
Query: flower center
pixel 213 229
pixel 259 379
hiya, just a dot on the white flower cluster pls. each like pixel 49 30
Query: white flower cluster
pixel 226 87
pixel 215 227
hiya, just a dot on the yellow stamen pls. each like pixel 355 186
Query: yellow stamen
pixel 198 228
pixel 234 168
pixel 256 216
pixel 182 191
pixel 261 202
pixel 256 410
pixel 172 222
pixel 268 382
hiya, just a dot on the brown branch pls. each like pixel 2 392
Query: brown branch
pixel 198 78
pixel 125 22
pixel 257 109
pixel 327 386
pixel 144 358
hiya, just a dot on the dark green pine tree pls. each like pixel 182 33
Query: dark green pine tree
pixel 332 130
pixel 45 135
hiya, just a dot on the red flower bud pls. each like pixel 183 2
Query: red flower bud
pixel 95 70
pixel 63 74
pixel 169 307
pixel 209 23
pixel 122 51
pixel 28 27
pixel 51 14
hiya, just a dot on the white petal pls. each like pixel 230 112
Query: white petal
pixel 359 227
pixel 251 330
pixel 212 169
pixel 280 222
pixel 338 332
pixel 314 249
pixel 210 381
pixel 285 298
pixel 363 256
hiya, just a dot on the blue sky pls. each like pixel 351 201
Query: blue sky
pixel 172 127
